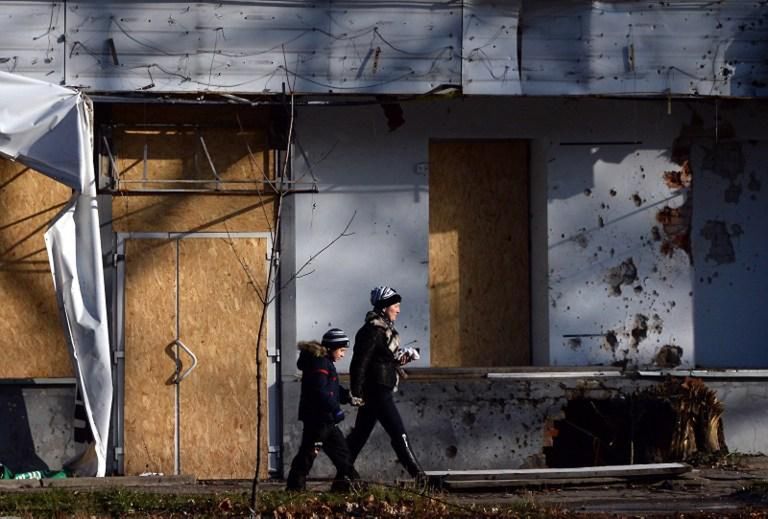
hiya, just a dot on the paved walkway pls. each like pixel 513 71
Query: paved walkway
pixel 716 492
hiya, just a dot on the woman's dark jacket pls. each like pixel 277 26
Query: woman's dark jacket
pixel 321 393
pixel 373 364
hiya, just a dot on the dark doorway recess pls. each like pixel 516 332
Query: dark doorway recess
pixel 593 432
pixel 674 421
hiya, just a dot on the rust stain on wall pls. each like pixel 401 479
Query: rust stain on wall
pixel 679 179
pixel 676 226
pixel 676 221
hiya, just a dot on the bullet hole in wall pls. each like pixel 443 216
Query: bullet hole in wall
pixel 574 343
pixel 623 274
pixel 639 331
pixel 669 356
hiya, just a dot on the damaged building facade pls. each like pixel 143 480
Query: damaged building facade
pixel 568 197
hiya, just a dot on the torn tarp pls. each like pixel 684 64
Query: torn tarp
pixel 48 128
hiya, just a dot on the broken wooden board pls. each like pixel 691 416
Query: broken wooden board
pixel 473 479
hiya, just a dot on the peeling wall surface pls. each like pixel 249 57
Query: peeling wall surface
pixel 731 261
pixel 618 252
pixel 482 423
pixel 377 46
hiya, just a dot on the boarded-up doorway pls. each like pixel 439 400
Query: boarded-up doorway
pixel 479 253
pixel 203 291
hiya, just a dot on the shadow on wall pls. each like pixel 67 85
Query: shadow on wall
pixel 17 447
pixel 33 339
pixel 744 60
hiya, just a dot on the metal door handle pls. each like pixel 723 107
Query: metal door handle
pixel 186 372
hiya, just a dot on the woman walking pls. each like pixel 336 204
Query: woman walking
pixel 374 378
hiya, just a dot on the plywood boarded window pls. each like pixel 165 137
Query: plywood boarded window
pixel 479 253
pixel 162 159
pixel 190 149
pixel 32 340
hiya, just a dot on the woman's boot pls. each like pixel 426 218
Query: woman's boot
pixel 405 454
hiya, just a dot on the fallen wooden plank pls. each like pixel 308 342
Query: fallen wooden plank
pixel 470 484
pixel 622 471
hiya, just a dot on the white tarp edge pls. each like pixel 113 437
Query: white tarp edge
pixel 48 128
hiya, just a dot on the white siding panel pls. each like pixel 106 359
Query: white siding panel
pixel 331 46
pixel 392 47
pixel 639 48
pixel 29 41
pixel 489 48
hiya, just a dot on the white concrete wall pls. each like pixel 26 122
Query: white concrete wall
pixel 366 174
pixel 603 161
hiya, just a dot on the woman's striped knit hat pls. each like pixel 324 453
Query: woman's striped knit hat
pixel 382 297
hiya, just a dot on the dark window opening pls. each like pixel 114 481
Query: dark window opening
pixel 673 421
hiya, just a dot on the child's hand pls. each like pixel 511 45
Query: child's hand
pixel 356 401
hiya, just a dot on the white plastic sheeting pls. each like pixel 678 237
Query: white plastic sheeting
pixel 48 128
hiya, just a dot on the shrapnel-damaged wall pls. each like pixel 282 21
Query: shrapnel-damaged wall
pixel 634 244
pixel 463 422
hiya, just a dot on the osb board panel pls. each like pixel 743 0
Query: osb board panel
pixel 145 157
pixel 150 327
pixel 220 283
pixel 479 253
pixel 33 341
pixel 183 213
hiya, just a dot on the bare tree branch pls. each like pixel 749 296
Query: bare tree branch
pixel 251 279
pixel 297 274
pixel 271 277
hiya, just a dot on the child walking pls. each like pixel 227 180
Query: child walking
pixel 320 410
